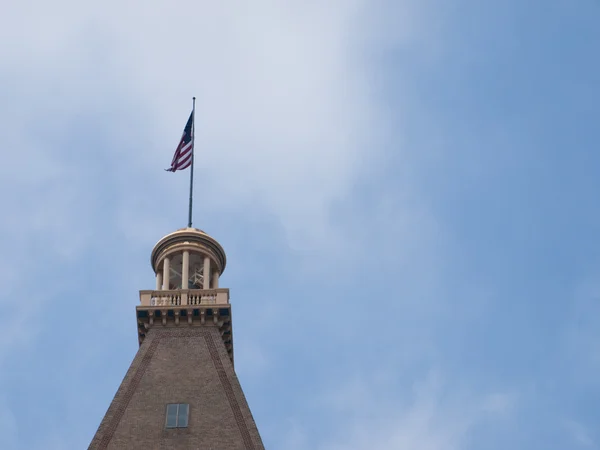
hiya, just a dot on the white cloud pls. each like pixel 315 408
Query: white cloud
pixel 578 433
pixel 286 115
pixel 287 123
pixel 581 335
pixel 8 425
pixel 437 415
pixel 98 94
pixel 500 403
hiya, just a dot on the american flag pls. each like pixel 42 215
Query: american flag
pixel 182 159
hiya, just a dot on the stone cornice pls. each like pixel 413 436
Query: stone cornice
pixel 187 316
pixel 193 239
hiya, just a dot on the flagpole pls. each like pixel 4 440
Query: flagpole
pixel 192 168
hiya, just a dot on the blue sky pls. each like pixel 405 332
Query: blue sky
pixel 406 192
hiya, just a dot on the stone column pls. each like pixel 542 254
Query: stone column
pixel 166 273
pixel 158 280
pixel 206 272
pixel 185 270
pixel 215 279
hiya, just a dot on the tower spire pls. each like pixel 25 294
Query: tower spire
pixel 181 390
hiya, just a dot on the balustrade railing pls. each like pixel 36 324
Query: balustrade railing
pixel 180 297
pixel 201 299
pixel 170 299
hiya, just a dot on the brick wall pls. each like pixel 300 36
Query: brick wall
pixel 186 365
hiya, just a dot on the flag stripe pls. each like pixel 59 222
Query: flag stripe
pixel 183 161
pixel 182 158
pixel 184 166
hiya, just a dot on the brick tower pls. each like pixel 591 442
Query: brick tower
pixel 181 390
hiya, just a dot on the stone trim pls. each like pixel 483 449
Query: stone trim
pixel 130 390
pixel 226 384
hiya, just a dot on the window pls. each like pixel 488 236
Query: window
pixel 177 415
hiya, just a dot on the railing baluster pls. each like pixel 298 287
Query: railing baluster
pixel 193 297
